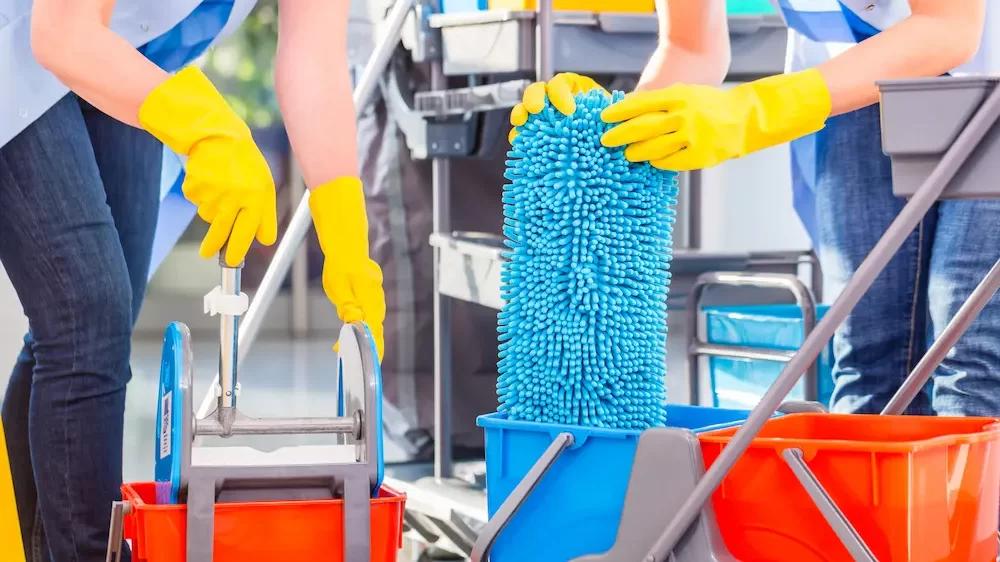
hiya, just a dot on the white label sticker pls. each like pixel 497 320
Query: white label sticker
pixel 165 426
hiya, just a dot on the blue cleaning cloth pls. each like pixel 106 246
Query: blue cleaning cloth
pixel 584 329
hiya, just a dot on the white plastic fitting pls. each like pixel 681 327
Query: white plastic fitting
pixel 232 305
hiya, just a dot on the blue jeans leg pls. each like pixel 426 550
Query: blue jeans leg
pixel 966 245
pixel 78 204
pixel 884 336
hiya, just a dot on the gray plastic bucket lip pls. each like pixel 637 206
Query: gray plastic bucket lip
pixel 935 83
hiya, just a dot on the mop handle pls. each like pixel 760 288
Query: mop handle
pixel 228 301
pixel 887 246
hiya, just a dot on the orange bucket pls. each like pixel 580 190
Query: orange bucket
pixel 260 531
pixel 916 488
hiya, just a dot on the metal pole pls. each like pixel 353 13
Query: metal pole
pixel 229 325
pixel 270 285
pixel 544 50
pixel 816 276
pixel 300 265
pixel 281 426
pixel 441 195
pixel 966 314
pixel 694 210
pixel 870 268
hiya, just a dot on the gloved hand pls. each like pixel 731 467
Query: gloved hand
pixel 227 177
pixel 350 278
pixel 561 90
pixel 684 127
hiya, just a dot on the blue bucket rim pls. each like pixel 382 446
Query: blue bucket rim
pixel 499 420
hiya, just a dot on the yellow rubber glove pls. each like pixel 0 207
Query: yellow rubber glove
pixel 350 278
pixel 227 177
pixel 561 90
pixel 684 127
pixel 11 548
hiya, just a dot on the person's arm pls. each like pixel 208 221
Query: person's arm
pixel 689 126
pixel 938 36
pixel 313 83
pixel 226 176
pixel 72 40
pixel 693 47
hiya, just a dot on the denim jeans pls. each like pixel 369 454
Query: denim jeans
pixel 920 290
pixel 79 195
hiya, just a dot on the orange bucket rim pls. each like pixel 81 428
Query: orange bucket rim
pixel 989 431
pixel 132 496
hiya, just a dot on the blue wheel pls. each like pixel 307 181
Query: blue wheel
pixel 173 400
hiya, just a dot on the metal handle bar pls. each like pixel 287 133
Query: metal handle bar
pixel 831 512
pixel 697 348
pixel 283 426
pixel 517 497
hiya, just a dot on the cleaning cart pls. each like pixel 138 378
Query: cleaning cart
pixel 238 504
pixel 807 486
pixel 739 350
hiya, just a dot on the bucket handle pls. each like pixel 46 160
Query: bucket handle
pixel 696 348
pixel 503 516
pixel 846 532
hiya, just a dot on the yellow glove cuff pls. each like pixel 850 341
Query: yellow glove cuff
pixel 339 205
pixel 186 108
pixel 783 108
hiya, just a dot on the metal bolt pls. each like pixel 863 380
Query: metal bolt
pixel 144 26
pixel 458 146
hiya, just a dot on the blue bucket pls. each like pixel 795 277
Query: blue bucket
pixel 740 383
pixel 576 507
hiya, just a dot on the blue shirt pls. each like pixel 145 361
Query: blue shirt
pixel 821 29
pixel 189 39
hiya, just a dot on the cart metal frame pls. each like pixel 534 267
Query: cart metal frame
pixel 698 348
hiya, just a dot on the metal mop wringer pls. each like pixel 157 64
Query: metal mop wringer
pixel 200 477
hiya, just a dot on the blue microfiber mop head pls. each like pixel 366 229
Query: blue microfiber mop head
pixel 583 332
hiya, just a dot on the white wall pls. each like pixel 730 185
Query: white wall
pixel 737 193
pixel 13 325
